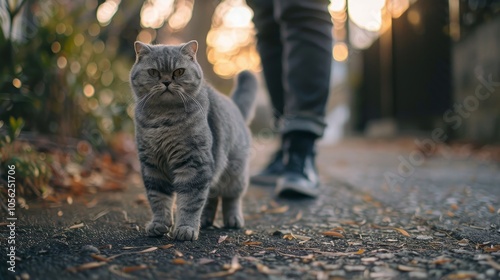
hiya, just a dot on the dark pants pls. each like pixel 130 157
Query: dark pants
pixel 295 45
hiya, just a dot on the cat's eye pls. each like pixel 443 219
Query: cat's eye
pixel 178 72
pixel 154 73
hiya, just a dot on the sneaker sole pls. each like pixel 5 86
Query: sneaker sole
pixel 295 191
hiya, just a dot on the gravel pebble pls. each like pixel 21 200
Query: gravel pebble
pixel 338 273
pixel 354 267
pixel 385 256
pixel 490 272
pixel 424 237
pixel 418 275
pixel 89 249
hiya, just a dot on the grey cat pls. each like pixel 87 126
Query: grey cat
pixel 193 142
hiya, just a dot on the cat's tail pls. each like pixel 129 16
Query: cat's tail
pixel 245 93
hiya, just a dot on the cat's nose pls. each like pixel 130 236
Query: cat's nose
pixel 166 83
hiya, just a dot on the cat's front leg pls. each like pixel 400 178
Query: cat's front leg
pixel 161 197
pixel 190 204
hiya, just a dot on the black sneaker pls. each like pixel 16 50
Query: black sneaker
pixel 272 172
pixel 300 177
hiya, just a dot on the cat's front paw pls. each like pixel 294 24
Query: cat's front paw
pixel 155 229
pixel 185 233
pixel 234 220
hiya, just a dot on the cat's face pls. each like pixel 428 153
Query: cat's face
pixel 165 74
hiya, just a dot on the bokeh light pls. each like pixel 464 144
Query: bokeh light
pixel 231 40
pixel 340 51
pixel 106 11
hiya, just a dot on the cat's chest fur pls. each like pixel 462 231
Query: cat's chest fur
pixel 173 148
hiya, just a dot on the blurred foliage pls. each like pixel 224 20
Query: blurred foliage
pixel 63 72
pixel 32 168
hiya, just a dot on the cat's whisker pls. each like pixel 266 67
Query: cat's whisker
pixel 183 98
pixel 197 104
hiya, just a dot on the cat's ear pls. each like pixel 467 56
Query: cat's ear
pixel 141 48
pixel 190 48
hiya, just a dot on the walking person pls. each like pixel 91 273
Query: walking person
pixel 295 44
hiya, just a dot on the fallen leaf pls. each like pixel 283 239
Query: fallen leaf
pixel 441 261
pixel 80 225
pixel 203 261
pixel 85 266
pixel 277 210
pixel 129 269
pixel 461 275
pixel 179 261
pixel 222 238
pixel 407 268
pixel 99 258
pixel 491 208
pixel 116 270
pixel 297 218
pixel 464 242
pixel 151 249
pixel 166 246
pixel 252 243
pixel 249 232
pixel 178 254
pixel 333 234
pixel 495 248
pixel 493 263
pixel 148 250
pixel 100 214
pixel 107 246
pixel 402 231
pixel 231 269
pixel 266 270
pixel 454 207
pixel 289 236
pixel 360 251
pixel 338 229
pixel 303 239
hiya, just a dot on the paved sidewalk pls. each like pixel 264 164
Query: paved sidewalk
pixel 442 222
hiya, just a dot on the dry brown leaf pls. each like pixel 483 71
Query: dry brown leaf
pixel 277 210
pixel 203 261
pixel 491 208
pixel 85 266
pixel 402 231
pixel 231 269
pixel 167 246
pixel 266 270
pixel 179 261
pixel 338 229
pixel 289 236
pixel 99 258
pixel 461 275
pixel 407 268
pixel 493 263
pixel 151 249
pixel 115 269
pixel 297 218
pixel 302 238
pixel 333 234
pixel 450 214
pixel 80 225
pixel 178 254
pixel 249 232
pixel 222 238
pixel 148 250
pixel 441 261
pixel 252 243
pixel 360 251
pixel 454 207
pixel 495 248
pixel 129 269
